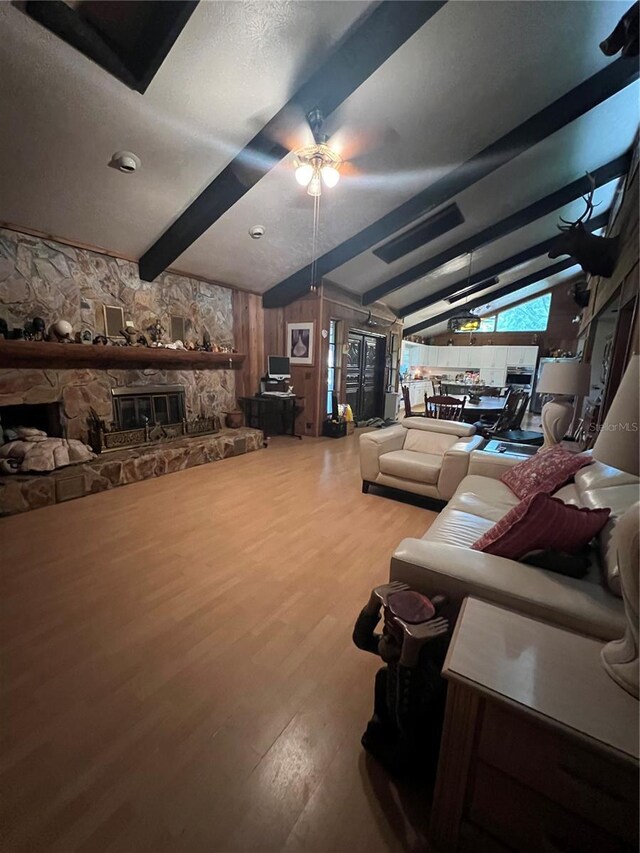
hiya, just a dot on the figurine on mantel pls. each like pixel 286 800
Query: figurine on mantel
pixel 156 331
pixel 134 337
pixel 61 331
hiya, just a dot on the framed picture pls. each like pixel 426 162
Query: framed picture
pixel 113 321
pixel 300 343
pixel 177 328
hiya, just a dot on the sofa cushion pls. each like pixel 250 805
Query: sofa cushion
pixel 483 496
pixel 429 442
pixel 568 495
pixel 599 476
pixel 545 472
pixel 409 465
pixel 542 522
pixel 454 527
pixel 619 499
pixel 436 425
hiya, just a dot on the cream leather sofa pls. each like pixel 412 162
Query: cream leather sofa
pixel 443 562
pixel 421 455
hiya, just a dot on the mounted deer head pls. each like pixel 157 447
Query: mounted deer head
pixel 596 255
pixel 625 36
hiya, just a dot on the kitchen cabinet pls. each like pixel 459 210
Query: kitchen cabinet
pixel 496 376
pixel 494 357
pixel 522 356
pixel 469 357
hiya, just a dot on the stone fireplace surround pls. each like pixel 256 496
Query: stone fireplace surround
pixel 55 281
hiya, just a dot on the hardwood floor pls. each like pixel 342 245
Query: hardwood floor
pixel 177 665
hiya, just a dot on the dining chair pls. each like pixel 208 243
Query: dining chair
pixel 444 408
pixel 407 401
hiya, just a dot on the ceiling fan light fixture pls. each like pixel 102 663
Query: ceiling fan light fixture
pixel 304 173
pixel 330 175
pixel 315 185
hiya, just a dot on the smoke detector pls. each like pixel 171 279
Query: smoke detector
pixel 256 232
pixel 125 161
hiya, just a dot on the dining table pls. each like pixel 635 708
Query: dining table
pixel 487 406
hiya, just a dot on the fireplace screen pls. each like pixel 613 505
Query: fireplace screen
pixel 135 407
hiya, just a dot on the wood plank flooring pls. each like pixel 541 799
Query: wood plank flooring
pixel 177 666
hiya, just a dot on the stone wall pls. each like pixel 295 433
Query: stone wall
pixel 57 282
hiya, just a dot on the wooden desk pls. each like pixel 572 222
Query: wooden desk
pixel 272 415
pixel 540 747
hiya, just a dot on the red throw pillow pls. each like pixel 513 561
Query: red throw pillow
pixel 541 522
pixel 544 472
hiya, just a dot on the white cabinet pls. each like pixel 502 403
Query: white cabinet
pixel 493 376
pixel 470 357
pixel 522 356
pixel 431 356
pixel 494 357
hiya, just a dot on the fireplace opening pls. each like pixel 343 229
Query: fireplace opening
pixel 135 407
pixel 44 416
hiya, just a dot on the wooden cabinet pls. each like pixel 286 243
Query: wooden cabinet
pixel 540 747
pixel 522 356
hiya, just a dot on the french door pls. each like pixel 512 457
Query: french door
pixel 365 374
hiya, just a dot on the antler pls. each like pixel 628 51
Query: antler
pixel 588 212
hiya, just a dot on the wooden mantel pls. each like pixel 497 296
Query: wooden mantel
pixel 32 354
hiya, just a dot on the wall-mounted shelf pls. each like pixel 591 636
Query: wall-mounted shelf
pixel 31 354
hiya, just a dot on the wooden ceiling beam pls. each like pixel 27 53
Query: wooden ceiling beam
pixel 544 206
pixel 527 280
pixel 346 67
pixel 489 272
pixel 575 103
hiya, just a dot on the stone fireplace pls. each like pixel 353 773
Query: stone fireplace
pixel 139 405
pixel 42 278
pixel 42 416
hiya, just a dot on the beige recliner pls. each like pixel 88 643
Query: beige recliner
pixel 425 456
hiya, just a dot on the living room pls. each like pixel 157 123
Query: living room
pixel 296 364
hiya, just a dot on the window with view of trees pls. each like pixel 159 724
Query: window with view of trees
pixel 531 316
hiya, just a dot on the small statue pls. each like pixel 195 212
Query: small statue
pixel 206 341
pixel 61 331
pixel 38 327
pixel 101 340
pixel 404 732
pixel 156 330
pixel 134 337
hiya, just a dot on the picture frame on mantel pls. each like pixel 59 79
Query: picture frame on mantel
pixel 113 321
pixel 300 342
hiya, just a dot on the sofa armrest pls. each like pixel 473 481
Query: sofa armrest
pixel 491 465
pixel 436 567
pixel 374 444
pixel 455 465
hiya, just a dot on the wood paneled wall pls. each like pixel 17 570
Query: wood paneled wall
pixel 248 334
pixel 260 332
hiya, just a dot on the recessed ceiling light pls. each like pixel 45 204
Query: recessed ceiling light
pixel 125 161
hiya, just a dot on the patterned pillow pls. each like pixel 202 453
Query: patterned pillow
pixel 544 472
pixel 541 522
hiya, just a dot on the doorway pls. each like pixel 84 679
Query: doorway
pixel 365 374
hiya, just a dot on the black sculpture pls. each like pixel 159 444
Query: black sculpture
pixel 596 255
pixel 625 36
pixel 404 732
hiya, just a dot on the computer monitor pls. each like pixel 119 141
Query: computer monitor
pixel 278 367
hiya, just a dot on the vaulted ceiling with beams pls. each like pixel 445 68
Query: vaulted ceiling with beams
pixel 497 107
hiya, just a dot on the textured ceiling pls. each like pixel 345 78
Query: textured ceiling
pixel 468 76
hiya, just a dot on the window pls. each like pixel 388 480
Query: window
pixel 331 365
pixel 531 316
pixel 487 324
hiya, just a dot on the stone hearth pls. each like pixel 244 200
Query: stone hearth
pixel 22 492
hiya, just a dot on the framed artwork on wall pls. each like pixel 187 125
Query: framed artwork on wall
pixel 113 321
pixel 300 343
